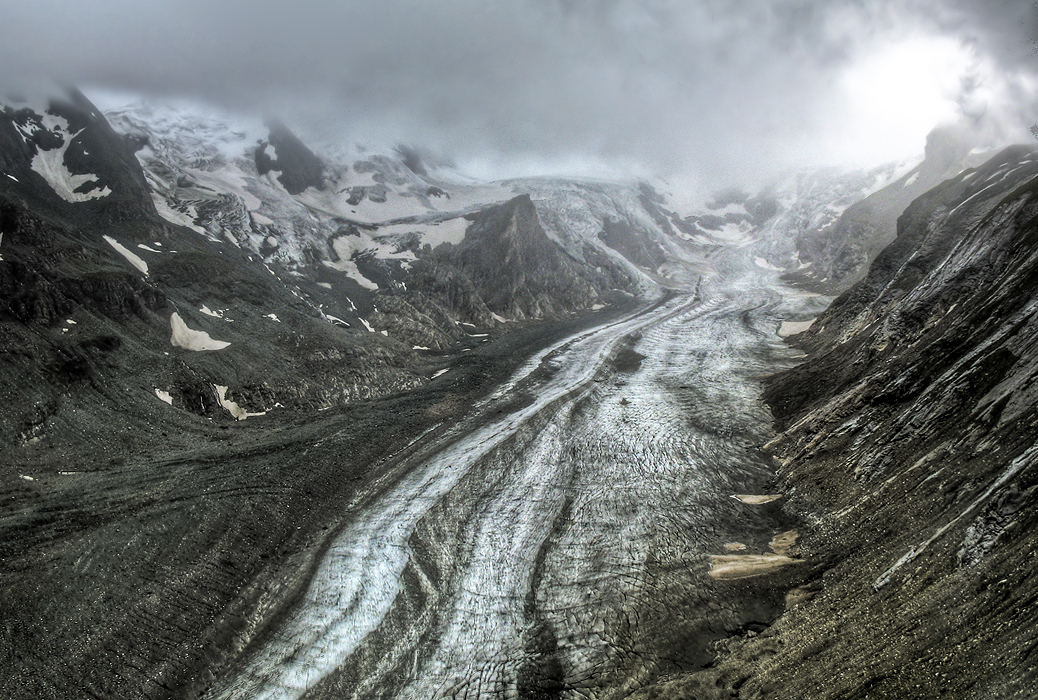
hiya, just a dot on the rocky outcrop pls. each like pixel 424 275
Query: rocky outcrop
pixel 297 166
pixel 516 270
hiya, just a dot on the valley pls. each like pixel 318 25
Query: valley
pixel 281 424
pixel 540 551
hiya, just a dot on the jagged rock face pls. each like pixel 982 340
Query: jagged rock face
pixel 909 444
pixel 299 168
pixel 516 270
pixel 66 159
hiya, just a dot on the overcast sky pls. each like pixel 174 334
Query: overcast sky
pixel 725 89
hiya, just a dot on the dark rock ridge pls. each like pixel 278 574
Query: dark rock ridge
pixel 111 186
pixel 909 452
pixel 296 164
pixel 515 268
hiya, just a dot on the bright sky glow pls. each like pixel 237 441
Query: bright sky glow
pixel 894 96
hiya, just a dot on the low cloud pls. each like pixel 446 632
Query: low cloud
pixel 720 90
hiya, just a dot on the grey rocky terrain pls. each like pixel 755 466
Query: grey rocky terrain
pixel 285 422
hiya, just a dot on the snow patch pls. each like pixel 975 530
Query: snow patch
pixel 439 372
pixel 131 257
pixel 233 408
pixel 367 325
pixel 164 396
pixel 50 165
pixel 173 216
pixel 27 478
pixel 219 313
pixel 184 337
pixel 272 317
pixel 435 233
pixel 419 347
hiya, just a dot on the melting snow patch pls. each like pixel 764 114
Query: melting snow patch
pixel 51 167
pixel 164 396
pixel 131 257
pixel 27 478
pixel 438 373
pixel 70 321
pixel 385 333
pixel 367 325
pixel 184 337
pixel 173 216
pixel 273 317
pixel 498 318
pixel 233 408
pixel 345 247
pixel 336 319
pixel 419 347
pixel 215 314
pixel 150 250
pixel 324 284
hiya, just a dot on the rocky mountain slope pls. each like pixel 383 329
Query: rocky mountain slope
pixel 908 450
pixel 212 334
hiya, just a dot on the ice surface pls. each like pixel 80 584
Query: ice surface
pixel 130 256
pixel 764 264
pixel 184 337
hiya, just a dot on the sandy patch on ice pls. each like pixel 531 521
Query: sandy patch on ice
pixel 783 542
pixel 734 566
pixel 756 499
pixel 789 328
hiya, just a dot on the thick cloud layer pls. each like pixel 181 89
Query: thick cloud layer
pixel 727 89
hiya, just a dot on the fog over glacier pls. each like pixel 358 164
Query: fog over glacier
pixel 726 90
